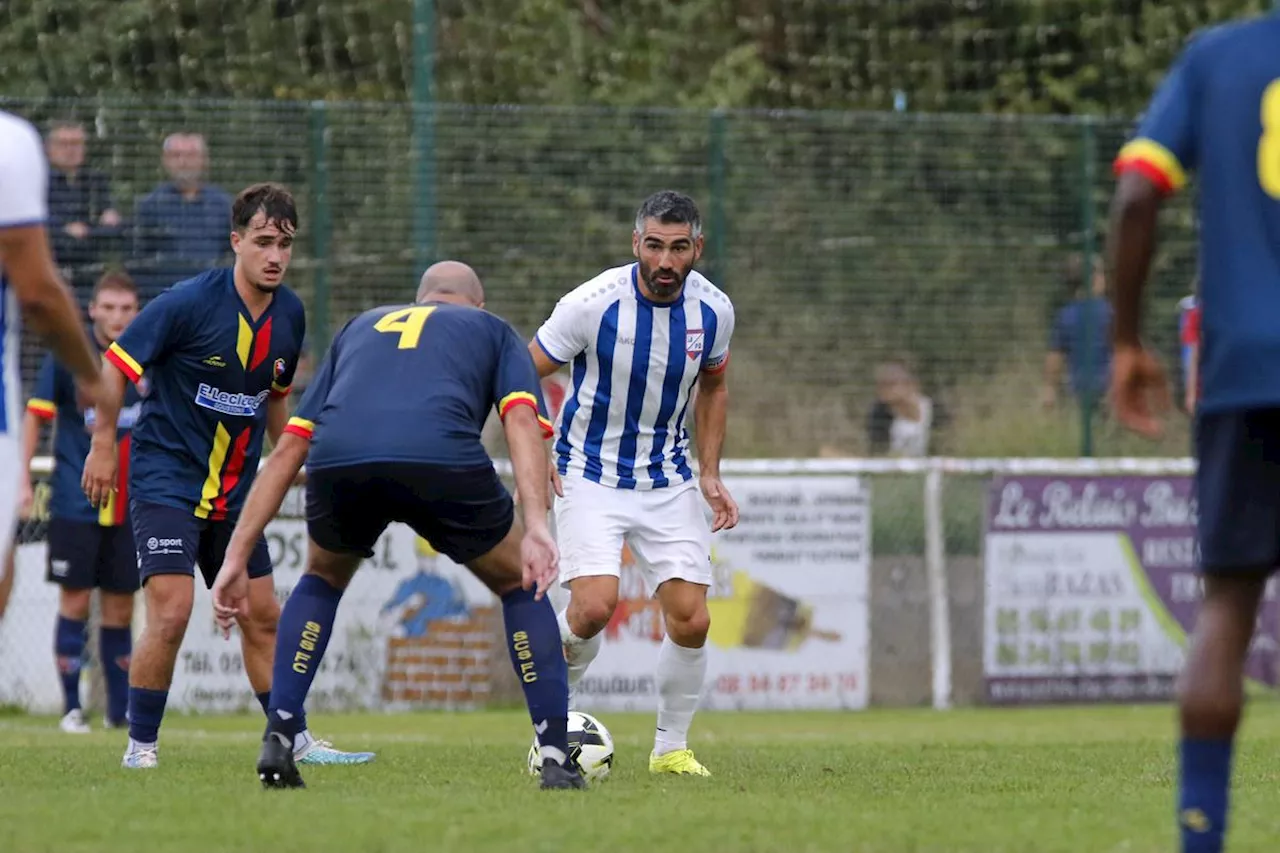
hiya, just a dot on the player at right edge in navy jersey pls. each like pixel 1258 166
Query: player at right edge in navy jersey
pixel 1217 113
pixel 390 431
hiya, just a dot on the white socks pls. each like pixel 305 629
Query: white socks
pixel 578 653
pixel 681 672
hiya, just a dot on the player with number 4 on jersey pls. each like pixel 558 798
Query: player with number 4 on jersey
pixel 390 432
pixel 1217 113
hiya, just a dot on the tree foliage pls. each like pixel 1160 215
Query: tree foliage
pixel 1038 56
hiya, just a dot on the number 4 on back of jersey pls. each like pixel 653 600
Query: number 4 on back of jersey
pixel 1269 144
pixel 406 322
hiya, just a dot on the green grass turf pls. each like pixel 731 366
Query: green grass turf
pixel 1095 779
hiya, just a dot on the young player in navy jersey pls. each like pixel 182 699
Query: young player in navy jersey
pixel 390 431
pixel 1217 113
pixel 89 548
pixel 218 352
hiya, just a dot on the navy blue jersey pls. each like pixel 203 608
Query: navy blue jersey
pixel 54 399
pixel 1217 113
pixel 211 368
pixel 415 383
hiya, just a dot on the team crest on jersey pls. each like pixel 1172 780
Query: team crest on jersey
pixel 277 369
pixel 694 339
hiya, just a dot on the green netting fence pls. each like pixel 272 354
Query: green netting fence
pixel 845 239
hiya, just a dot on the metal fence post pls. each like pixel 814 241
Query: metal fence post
pixel 1088 394
pixel 424 131
pixel 321 226
pixel 717 218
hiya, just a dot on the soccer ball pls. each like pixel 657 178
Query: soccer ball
pixel 590 744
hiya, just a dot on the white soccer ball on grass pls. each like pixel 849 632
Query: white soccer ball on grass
pixel 590 744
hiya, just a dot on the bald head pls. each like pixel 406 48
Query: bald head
pixel 451 281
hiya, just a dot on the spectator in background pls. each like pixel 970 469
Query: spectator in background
pixel 1080 340
pixel 902 420
pixel 83 221
pixel 182 225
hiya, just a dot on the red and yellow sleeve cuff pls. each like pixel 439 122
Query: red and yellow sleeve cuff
pixel 43 409
pixel 1154 162
pixel 300 427
pixel 718 368
pixel 524 398
pixel 278 390
pixel 124 361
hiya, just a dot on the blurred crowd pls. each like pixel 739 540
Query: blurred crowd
pixel 178 229
pixel 174 231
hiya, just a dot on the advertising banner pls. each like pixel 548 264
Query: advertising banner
pixel 1091 590
pixel 789 614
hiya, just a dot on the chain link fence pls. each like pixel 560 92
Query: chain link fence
pixel 846 240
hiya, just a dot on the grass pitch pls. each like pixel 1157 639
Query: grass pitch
pixel 1096 779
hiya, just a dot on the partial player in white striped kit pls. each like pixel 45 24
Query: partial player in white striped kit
pixel 640 338
pixel 31 289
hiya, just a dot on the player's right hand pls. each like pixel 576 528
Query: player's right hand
pixel 557 487
pixel 230 594
pixel 99 479
pixel 539 560
pixel 1140 393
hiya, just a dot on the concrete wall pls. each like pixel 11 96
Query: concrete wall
pixel 900 668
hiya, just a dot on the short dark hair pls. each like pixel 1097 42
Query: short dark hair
pixel 58 124
pixel 115 280
pixel 670 208
pixel 274 200
pixel 1073 281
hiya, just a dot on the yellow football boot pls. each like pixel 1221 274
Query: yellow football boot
pixel 680 762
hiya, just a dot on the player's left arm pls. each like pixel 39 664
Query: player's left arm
pixel 278 399
pixel 277 419
pixel 1149 167
pixel 710 420
pixel 231 589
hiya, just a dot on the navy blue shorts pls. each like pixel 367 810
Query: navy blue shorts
pixel 464 514
pixel 1238 491
pixel 172 541
pixel 86 555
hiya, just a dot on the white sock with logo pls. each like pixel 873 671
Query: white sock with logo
pixel 681 672
pixel 138 746
pixel 302 742
pixel 579 652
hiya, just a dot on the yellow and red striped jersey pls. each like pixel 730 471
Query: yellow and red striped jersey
pixel 211 368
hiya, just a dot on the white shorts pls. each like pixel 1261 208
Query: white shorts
pixel 666 529
pixel 10 471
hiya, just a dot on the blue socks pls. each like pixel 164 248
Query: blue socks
pixel 68 650
pixel 146 710
pixel 1204 781
pixel 306 623
pixel 115 646
pixel 533 639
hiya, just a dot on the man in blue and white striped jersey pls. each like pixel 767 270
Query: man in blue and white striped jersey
pixel 639 338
